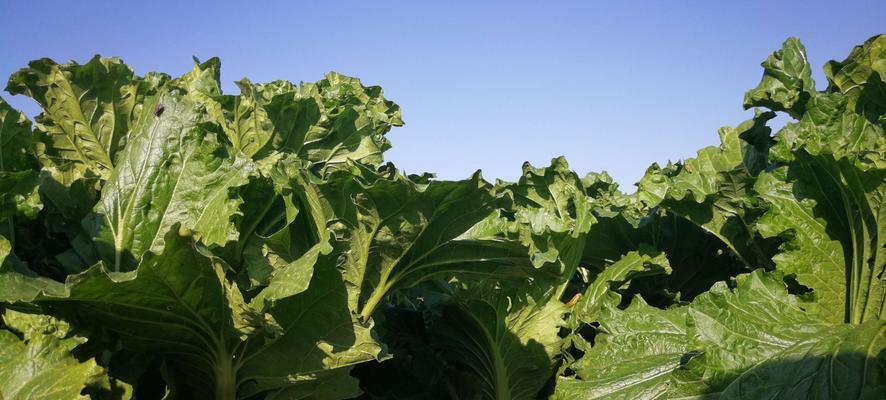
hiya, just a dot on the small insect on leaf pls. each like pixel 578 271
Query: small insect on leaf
pixel 574 300
pixel 158 111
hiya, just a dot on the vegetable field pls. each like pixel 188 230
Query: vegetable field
pixel 162 240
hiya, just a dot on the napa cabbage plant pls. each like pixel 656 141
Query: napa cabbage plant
pixel 161 239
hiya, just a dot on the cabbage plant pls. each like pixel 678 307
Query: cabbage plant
pixel 160 239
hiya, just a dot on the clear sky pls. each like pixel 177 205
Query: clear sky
pixel 612 85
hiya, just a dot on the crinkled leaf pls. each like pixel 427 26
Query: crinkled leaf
pixel 19 194
pixel 832 212
pixel 752 334
pixel 730 343
pixel 36 360
pixel 505 339
pixel 843 362
pixel 172 171
pixel 633 265
pixel 325 123
pixel 329 122
pixel 787 80
pixel 715 189
pixel 390 231
pixel 637 355
pixel 16 140
pixel 17 282
pixel 18 177
pixel 178 304
pixel 87 109
pixel 860 77
pixel 551 216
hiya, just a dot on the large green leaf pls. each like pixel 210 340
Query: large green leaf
pixel 740 328
pixel 506 339
pixel 174 304
pixel 860 77
pixel 171 172
pixel 36 360
pixel 814 222
pixel 321 339
pixel 752 334
pixel 637 355
pixel 325 123
pixel 787 81
pixel 729 343
pixel 551 216
pixel 652 335
pixel 178 304
pixel 391 231
pixel 614 277
pixel 842 362
pixel 828 200
pixel 16 140
pixel 87 109
pixel 18 178
pixel 715 189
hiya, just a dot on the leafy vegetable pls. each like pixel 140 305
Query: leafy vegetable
pixel 39 364
pixel 162 239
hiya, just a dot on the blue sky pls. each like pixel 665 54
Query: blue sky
pixel 611 85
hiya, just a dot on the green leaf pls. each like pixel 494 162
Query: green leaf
pixel 87 109
pixel 251 128
pixel 18 179
pixel 827 198
pixel 860 78
pixel 321 339
pixel 390 231
pixel 729 343
pixel 286 278
pixel 840 363
pixel 787 81
pixel 637 355
pixel 325 123
pixel 505 338
pixel 174 304
pixel 614 277
pixel 5 249
pixel 172 171
pixel 282 222
pixel 17 282
pixel 831 212
pixel 742 327
pixel 552 216
pixel 178 304
pixel 36 360
pixel 753 334
pixel 329 122
pixel 19 194
pixel 830 127
pixel 16 140
pixel 715 189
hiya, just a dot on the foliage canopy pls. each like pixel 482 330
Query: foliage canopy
pixel 162 240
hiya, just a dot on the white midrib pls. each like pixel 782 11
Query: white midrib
pixel 120 233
